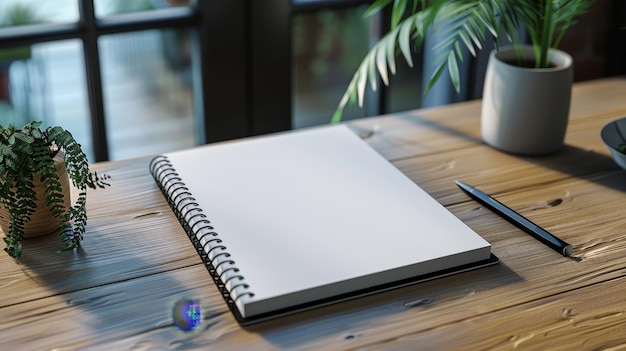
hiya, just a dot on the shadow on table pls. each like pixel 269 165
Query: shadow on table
pixel 570 160
pixel 580 163
pixel 128 299
pixel 445 299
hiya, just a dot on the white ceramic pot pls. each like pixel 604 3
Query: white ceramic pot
pixel 526 110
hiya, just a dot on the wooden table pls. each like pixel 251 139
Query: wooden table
pixel 117 291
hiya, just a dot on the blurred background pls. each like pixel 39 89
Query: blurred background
pixel 137 77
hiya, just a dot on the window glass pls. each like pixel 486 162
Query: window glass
pixel 405 87
pixel 46 82
pixel 23 12
pixel 109 7
pixel 147 85
pixel 328 46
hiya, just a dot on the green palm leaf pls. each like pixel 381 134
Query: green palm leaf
pixel 466 24
pixel 461 24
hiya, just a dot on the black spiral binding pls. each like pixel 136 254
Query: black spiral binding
pixel 205 240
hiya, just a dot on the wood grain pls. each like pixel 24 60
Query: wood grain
pixel 117 291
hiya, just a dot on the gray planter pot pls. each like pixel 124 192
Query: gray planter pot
pixel 526 110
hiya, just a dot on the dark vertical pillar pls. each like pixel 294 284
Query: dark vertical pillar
pixel 220 69
pixel 270 65
pixel 617 45
pixel 94 80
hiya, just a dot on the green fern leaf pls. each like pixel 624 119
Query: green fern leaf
pixel 28 151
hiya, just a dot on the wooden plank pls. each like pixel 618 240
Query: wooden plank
pixel 496 172
pixel 409 138
pixel 106 313
pixel 134 235
pixel 593 318
pixel 136 312
pixel 420 132
pixel 117 291
pixel 457 126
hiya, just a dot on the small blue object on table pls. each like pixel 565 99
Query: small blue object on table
pixel 187 314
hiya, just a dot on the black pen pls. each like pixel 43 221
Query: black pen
pixel 518 220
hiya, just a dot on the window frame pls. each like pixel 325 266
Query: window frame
pixel 235 94
pixel 88 29
pixel 241 60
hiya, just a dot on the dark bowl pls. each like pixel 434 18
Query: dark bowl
pixel 614 136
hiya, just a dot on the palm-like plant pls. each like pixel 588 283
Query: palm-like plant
pixel 467 24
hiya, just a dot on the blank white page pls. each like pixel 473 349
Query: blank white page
pixel 317 212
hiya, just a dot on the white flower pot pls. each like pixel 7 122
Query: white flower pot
pixel 525 110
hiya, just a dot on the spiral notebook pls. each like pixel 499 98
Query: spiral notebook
pixel 299 219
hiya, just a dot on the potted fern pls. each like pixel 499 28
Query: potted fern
pixel 36 168
pixel 466 24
